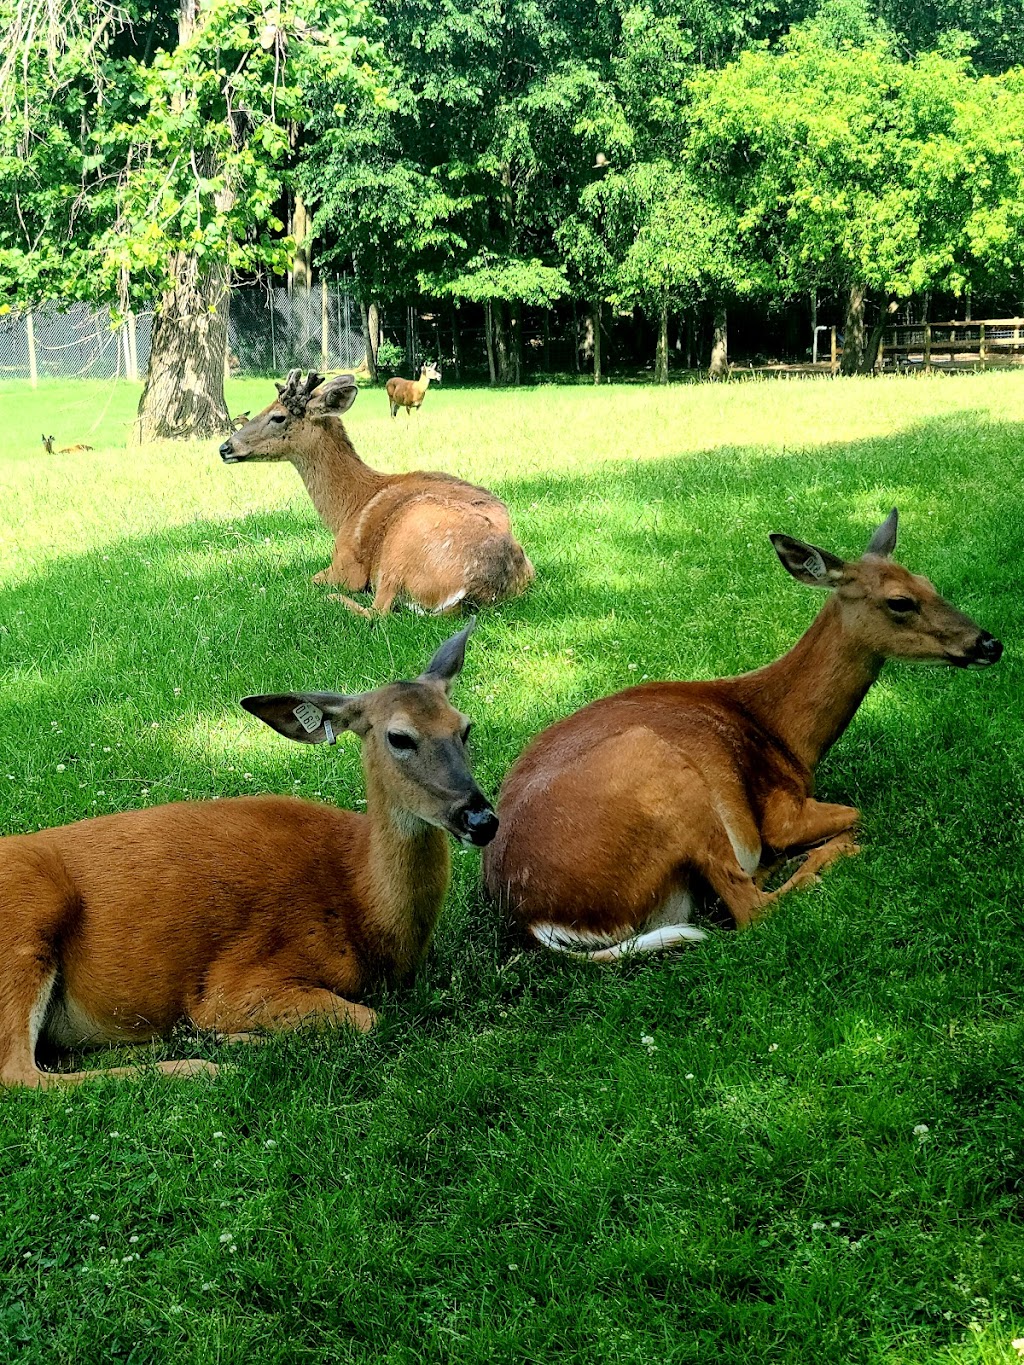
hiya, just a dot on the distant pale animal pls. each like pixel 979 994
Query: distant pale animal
pixel 409 393
pixel 63 450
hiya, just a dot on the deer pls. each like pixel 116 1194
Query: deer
pixel 409 393
pixel 246 915
pixel 616 820
pixel 63 450
pixel 425 537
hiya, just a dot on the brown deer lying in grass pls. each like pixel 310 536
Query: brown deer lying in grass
pixel 409 393
pixel 63 450
pixel 613 817
pixel 256 912
pixel 429 537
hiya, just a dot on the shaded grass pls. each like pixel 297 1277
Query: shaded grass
pixel 505 1172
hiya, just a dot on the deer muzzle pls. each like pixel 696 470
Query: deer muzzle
pixel 475 822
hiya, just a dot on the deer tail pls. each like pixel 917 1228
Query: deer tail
pixel 591 947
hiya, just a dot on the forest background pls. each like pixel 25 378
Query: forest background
pixel 630 173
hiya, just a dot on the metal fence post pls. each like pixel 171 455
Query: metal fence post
pixel 30 337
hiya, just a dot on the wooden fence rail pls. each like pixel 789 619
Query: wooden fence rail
pixel 952 345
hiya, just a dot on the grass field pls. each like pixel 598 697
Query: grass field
pixel 506 1171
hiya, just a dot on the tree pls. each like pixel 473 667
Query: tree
pixel 845 166
pixel 146 149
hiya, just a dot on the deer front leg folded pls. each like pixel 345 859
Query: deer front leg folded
pixel 345 571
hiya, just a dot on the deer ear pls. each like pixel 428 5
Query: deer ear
pixel 446 665
pixel 333 396
pixel 307 717
pixel 817 568
pixel 883 542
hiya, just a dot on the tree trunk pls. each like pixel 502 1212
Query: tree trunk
pixel 184 391
pixel 854 343
pixel 719 366
pixel 183 394
pixel 370 351
pixel 875 339
pixel 515 326
pixel 300 276
pixel 547 340
pixel 597 341
pixel 456 356
pixel 661 353
pixel 489 339
pixel 501 341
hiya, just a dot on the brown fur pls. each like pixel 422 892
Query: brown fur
pixel 428 537
pixel 615 814
pixel 409 393
pixel 259 912
pixel 63 450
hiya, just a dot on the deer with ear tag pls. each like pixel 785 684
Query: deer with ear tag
pixel 248 913
pixel 615 819
pixel 427 537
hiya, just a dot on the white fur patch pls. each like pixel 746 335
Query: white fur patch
pixel 582 944
pixel 452 601
pixel 37 1014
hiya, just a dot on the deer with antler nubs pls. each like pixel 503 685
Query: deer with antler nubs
pixel 248 913
pixel 614 819
pixel 410 393
pixel 431 538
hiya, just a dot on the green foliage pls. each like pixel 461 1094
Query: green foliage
pixel 839 161
pixel 127 143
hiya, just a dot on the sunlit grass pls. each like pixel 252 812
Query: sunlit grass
pixel 505 1171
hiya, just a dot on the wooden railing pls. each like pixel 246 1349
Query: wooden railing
pixel 952 344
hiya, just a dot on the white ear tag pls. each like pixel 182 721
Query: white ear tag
pixel 815 566
pixel 331 736
pixel 308 716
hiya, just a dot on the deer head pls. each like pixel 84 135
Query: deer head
pixel 430 371
pixel 414 743
pixel 48 444
pixel 293 420
pixel 888 610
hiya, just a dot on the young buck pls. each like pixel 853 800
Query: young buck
pixel 437 541
pixel 256 912
pixel 614 817
pixel 63 450
pixel 409 393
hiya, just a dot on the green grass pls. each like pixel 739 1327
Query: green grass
pixel 504 1171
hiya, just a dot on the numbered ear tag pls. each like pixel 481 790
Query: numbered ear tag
pixel 815 566
pixel 309 716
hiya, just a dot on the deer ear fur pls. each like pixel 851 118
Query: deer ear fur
pixel 334 396
pixel 446 665
pixel 306 716
pixel 883 542
pixel 807 563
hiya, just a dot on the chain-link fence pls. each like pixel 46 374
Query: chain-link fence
pixel 270 332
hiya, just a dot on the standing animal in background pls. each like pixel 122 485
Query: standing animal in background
pixel 63 450
pixel 431 538
pixel 613 817
pixel 240 420
pixel 409 393
pixel 254 912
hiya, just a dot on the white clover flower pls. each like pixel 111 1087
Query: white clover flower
pixel 62 767
pixel 270 1143
pixel 94 1218
pixel 920 1130
pixel 689 1075
pixel 817 1227
pixel 226 1237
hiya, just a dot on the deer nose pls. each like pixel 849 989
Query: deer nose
pixel 227 450
pixel 478 823
pixel 988 649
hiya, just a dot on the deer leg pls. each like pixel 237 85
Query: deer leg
pixel 791 823
pixel 345 571
pixel 273 1006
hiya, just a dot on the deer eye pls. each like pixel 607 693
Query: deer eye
pixel 401 742
pixel 901 604
pixel 279 417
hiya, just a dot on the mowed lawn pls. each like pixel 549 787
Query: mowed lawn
pixel 804 1143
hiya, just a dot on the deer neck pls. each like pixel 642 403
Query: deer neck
pixel 408 871
pixel 807 698
pixel 336 479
